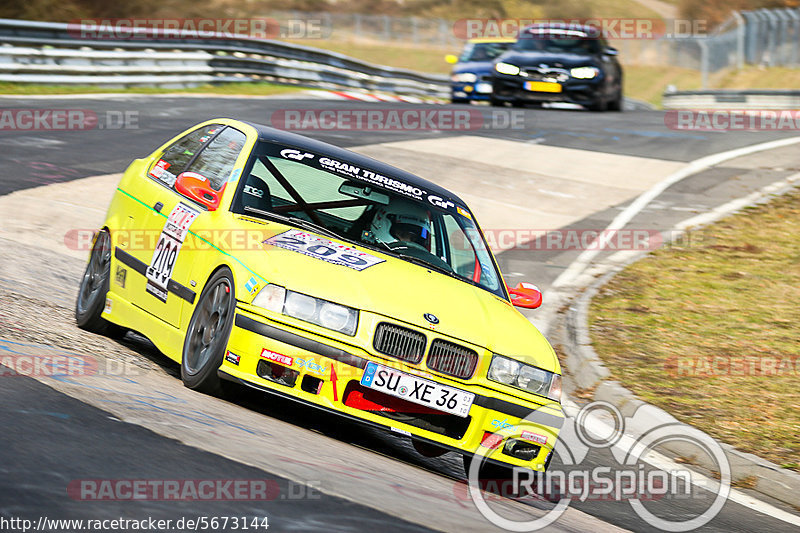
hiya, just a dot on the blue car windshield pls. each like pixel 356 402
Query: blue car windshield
pixel 557 43
pixel 482 51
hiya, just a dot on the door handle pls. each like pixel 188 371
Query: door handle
pixel 158 207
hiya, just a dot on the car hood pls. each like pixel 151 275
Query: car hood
pixel 528 59
pixel 478 67
pixel 404 291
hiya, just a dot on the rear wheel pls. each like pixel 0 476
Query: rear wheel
pixel 207 335
pixel 94 288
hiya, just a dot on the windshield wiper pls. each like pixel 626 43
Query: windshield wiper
pixel 296 221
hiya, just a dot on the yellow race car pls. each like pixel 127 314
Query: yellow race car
pixel 260 257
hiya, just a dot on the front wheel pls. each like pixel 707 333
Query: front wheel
pixel 93 289
pixel 207 335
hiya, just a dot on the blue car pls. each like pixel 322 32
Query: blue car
pixel 470 79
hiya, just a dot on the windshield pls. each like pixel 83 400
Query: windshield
pixel 355 204
pixel 558 42
pixel 482 51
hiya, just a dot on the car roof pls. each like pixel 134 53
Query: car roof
pixel 266 133
pixel 586 28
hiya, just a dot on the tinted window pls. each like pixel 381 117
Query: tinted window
pixel 175 158
pixel 216 161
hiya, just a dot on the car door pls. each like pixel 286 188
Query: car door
pixel 173 213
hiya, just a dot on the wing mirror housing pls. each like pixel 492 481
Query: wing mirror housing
pixel 525 295
pixel 197 187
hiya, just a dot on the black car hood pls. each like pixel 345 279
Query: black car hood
pixel 534 59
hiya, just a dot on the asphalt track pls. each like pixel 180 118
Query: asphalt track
pixel 49 437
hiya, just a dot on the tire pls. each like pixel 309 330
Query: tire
pixel 93 290
pixel 208 333
pixel 460 101
pixel 495 102
pixel 598 105
pixel 616 103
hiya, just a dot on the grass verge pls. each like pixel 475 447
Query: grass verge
pixel 710 330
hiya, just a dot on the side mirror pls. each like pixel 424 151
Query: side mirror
pixel 526 295
pixel 450 58
pixel 198 188
pixel 610 51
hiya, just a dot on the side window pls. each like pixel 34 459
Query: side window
pixel 175 158
pixel 216 161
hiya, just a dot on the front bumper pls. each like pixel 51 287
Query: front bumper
pixel 512 89
pixel 326 373
pixel 479 90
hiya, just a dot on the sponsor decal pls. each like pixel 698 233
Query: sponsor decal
pixel 120 276
pixel 108 306
pixel 311 366
pixel 160 172
pixel 323 249
pixel 235 174
pixel 159 272
pixel 501 424
pixel 232 358
pixel 251 285
pixel 439 202
pixel 463 212
pixel 533 437
pixel 297 155
pixel 252 191
pixel 279 358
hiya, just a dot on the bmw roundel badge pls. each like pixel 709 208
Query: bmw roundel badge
pixel 431 318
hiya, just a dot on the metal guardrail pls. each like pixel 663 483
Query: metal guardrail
pixel 733 99
pixel 48 52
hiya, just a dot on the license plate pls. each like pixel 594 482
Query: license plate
pixel 417 390
pixel 543 86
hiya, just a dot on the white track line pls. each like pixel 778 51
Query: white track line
pixel 598 426
pixel 585 258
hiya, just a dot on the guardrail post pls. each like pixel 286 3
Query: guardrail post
pixel 740 33
pixel 703 63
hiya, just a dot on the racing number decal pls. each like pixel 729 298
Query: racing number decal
pixel 323 249
pixel 159 272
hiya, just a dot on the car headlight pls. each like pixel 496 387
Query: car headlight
pixel 525 377
pixel 465 77
pixel 584 73
pixel 507 68
pixel 307 308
